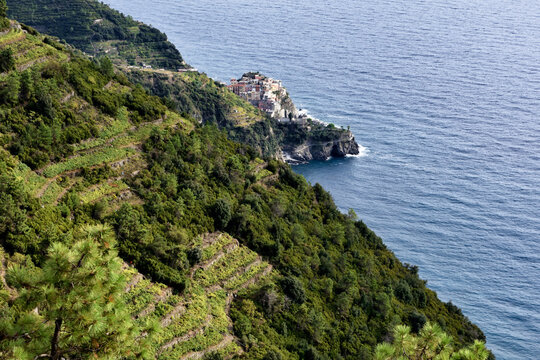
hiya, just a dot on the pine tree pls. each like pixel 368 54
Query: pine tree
pixel 432 343
pixel 7 61
pixel 3 9
pixel 4 21
pixel 72 306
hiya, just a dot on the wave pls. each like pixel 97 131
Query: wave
pixel 363 152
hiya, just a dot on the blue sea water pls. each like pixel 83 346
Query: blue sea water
pixel 445 97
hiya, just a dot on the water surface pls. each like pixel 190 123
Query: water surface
pixel 445 95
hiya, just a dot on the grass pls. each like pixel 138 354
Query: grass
pixel 211 250
pixel 51 193
pixel 204 322
pixel 29 50
pixel 102 190
pixel 225 267
pixel 32 181
pixel 116 127
pixel 230 349
pixel 12 35
pixel 237 281
pixel 112 152
pixel 34 53
pixel 253 165
pixel 196 313
pixel 107 155
pixel 142 295
pixel 165 307
pixel 263 174
pixel 212 334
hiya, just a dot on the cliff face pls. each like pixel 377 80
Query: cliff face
pixel 342 144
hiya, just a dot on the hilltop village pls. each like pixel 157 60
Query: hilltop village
pixel 268 95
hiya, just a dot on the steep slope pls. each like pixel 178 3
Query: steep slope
pixel 198 321
pixel 101 31
pixel 81 145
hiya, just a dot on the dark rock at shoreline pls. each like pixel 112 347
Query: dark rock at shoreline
pixel 342 144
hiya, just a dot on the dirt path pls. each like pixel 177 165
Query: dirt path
pixel 44 188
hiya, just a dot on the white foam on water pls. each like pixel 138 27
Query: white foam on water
pixel 363 151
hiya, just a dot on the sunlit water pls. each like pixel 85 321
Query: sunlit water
pixel 445 95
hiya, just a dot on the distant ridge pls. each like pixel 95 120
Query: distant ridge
pixel 102 31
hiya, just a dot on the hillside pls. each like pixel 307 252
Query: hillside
pixel 101 31
pixel 85 148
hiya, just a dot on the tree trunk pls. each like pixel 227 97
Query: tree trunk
pixel 55 354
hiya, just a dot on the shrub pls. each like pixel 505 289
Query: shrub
pixel 222 213
pixel 7 62
pixel 417 320
pixel 273 355
pixel 294 289
pixel 4 21
pixel 194 255
pixel 403 292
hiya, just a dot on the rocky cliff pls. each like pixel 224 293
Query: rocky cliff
pixel 319 142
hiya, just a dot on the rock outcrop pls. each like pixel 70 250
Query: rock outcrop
pixel 341 144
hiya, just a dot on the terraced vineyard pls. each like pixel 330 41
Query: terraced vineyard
pixel 118 140
pixel 113 147
pixel 75 132
pixel 28 49
pixel 101 31
pixel 197 322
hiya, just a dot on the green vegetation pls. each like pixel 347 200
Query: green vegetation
pixel 103 190
pixel 295 279
pixel 212 103
pixel 32 181
pixel 63 308
pixel 430 344
pixel 223 240
pixel 4 21
pixel 7 62
pixel 107 155
pixel 225 267
pixel 99 30
pixel 67 102
pixel 51 193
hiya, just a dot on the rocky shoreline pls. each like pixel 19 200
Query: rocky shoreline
pixel 344 144
pixel 305 138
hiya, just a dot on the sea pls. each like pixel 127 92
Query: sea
pixel 443 96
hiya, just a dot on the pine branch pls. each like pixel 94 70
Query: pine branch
pixel 55 354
